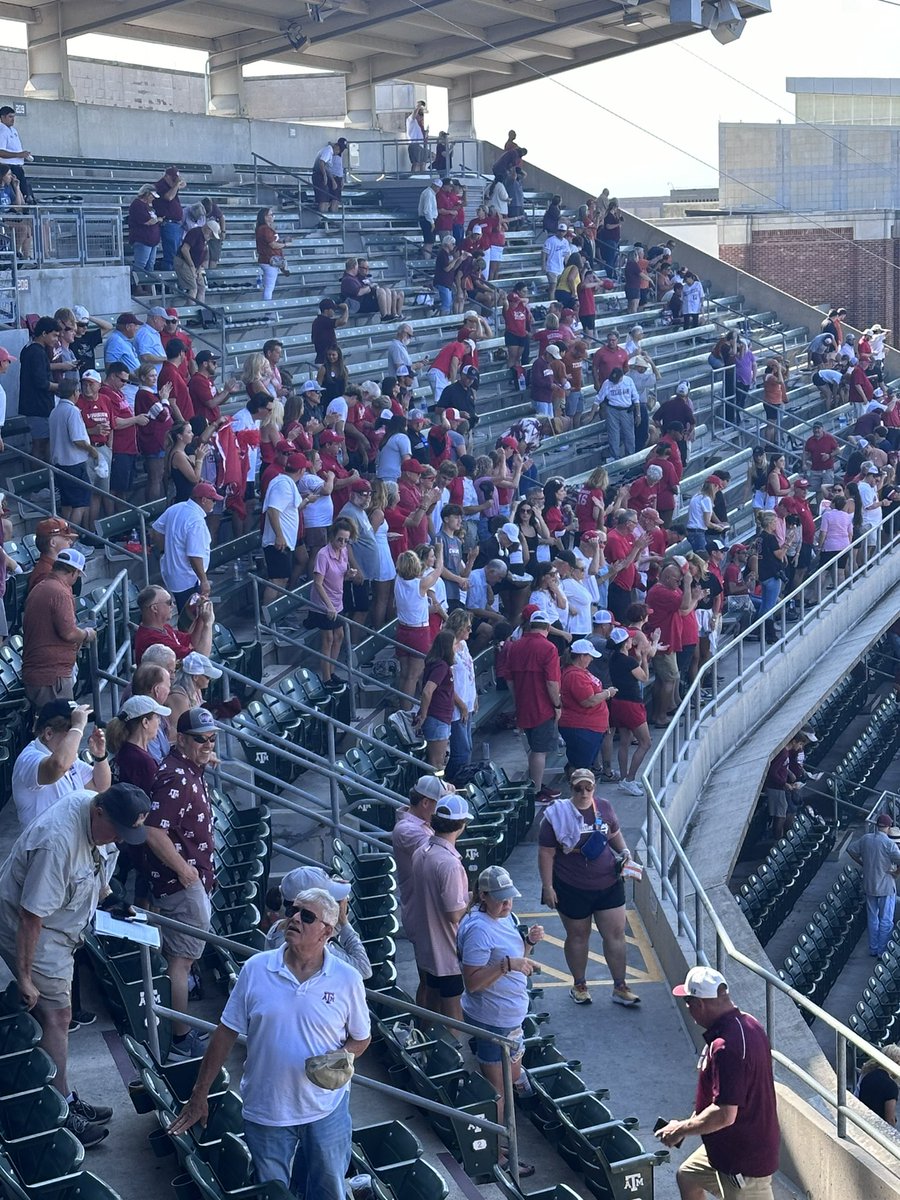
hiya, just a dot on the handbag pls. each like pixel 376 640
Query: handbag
pixel 715 362
pixel 599 839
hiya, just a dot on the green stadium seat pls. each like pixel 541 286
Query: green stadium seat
pixel 28 1113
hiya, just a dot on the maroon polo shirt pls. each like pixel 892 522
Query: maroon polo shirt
pixel 531 660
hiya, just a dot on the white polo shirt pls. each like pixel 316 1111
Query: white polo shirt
pixel 187 535
pixel 32 798
pixel 285 1022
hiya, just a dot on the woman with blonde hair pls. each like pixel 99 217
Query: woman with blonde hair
pixel 385 571
pixel 128 738
pixel 191 680
pixel 459 623
pixel 411 589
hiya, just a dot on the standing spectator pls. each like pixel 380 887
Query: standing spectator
pixel 735 1109
pixel 700 518
pixel 37 390
pixel 440 896
pixel 819 457
pixel 439 699
pixel 131 732
pixel 622 550
pixel 623 412
pixel 879 857
pixel 155 606
pixel 180 838
pixel 580 845
pixel 411 588
pixel 205 399
pixel 333 565
pixel 428 213
pixel 296 1123
pixel 184 541
pixel 281 512
pixel 584 719
pixel 533 674
pixel 358 595
pixel 144 228
pixel 152 401
pixel 172 378
pixel 51 883
pixel 668 600
pixel 50 536
pixel 692 300
pixel 168 207
pixel 835 534
pixel 459 623
pixel 767 565
pixel 326 174
pixel 417 136
pixel 554 252
pixel 48 769
pixel 609 235
pixel 412 829
pixel 192 260
pixel 124 423
pixel 12 153
pixel 346 943
pixel 70 450
pixel 269 251
pixel 214 213
pixel 607 358
pixel 52 638
pixel 627 714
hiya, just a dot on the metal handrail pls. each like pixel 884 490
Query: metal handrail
pixel 120 656
pixel 39 217
pixel 671 853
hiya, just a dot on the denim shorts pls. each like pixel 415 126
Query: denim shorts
pixel 434 730
pixel 491 1052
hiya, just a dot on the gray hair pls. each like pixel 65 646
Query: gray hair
pixel 160 655
pixel 405 327
pixel 624 515
pixel 498 565
pixel 392 490
pixel 445 241
pixel 327 904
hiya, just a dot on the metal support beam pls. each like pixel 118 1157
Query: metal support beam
pixel 545 47
pixel 103 17
pixel 20 12
pixel 523 8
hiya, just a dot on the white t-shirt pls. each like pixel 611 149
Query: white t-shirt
pixel 282 494
pixel 10 140
pixel 318 514
pixel 699 505
pixel 579 618
pixel 414 130
pixel 412 606
pixel 187 536
pixel 557 250
pixel 32 798
pixel 477 593
pixel 285 1022
pixel 338 407
pixel 869 495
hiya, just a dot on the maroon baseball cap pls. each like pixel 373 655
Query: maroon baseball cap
pixel 801 483
pixel 171 314
pixel 205 491
pixel 329 437
pixel 297 462
pixel 360 485
pixel 285 446
pixel 510 443
pixel 412 465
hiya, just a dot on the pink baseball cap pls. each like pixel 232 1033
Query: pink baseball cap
pixel 205 491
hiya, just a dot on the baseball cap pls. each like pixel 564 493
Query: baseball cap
pixel 128 318
pixel 385 414
pixel 511 531
pixel 206 356
pixel 431 787
pixel 171 314
pixel 454 806
pixel 148 189
pixel 562 225
pixel 416 414
pixel 683 388
pixel 51 526
pixel 412 465
pixel 529 610
pixel 360 486
pixel 715 544
pixel 582 773
pixel 497 882
pixel 309 385
pixel 158 311
pixel 509 443
pixel 71 558
pixel 142 706
pixel 541 618
pixel 80 313
pixel 403 369
pixel 196 720
pixel 325 305
pixel 297 462
pixel 884 821
pixel 5 355
pixel 619 635
pixel 205 491
pixel 284 446
pixel 871 469
pixel 583 646
pixel 331 1070
pixel 54 709
pixel 95 375
pixel 124 805
pixel 738 546
pixel 552 350
pixel 329 437
pixel 196 663
pixel 801 483
pixel 301 878
pixel 215 229
pixel 715 481
pixel 703 982
pixel 603 617
pixel 452 414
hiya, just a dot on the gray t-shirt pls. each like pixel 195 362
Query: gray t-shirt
pixel 481 940
pixel 877 854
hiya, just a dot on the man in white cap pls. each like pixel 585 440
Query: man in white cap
pixel 439 900
pixel 297 1129
pixel 346 943
pixel 48 768
pixel 52 637
pixel 533 675
pixel 734 1110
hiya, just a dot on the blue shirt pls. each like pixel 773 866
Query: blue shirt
pixel 119 348
pixel 482 940
pixel 148 341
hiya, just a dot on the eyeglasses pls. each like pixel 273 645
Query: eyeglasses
pixel 68 328
pixel 201 738
pixel 583 787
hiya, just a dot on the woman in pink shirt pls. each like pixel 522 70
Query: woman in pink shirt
pixel 333 565
pixel 835 531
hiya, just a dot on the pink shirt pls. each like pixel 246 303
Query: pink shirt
pixel 838 529
pixel 440 887
pixel 410 832
pixel 332 566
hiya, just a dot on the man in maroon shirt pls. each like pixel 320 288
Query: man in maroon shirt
pixel 169 210
pixel 415 505
pixel 180 838
pixel 607 358
pixel 622 549
pixel 667 600
pixel 819 456
pixel 157 607
pixel 172 329
pixel 172 372
pixel 735 1110
pixel 861 387
pixel 202 389
pixel 533 674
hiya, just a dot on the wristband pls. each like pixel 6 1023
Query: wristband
pixel 529 942
pixel 101 757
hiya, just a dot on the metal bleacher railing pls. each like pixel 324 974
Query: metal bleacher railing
pixel 9 284
pixel 696 916
pixel 74 234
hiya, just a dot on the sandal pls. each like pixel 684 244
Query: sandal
pixel 610 774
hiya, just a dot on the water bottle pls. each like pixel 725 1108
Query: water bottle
pixel 485 755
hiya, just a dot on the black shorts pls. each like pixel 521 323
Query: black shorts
pixel 427 228
pixel 446 986
pixel 515 339
pixel 316 619
pixel 542 739
pixel 121 472
pixel 357 597
pixel 772 410
pixel 578 903
pixel 589 321
pixel 278 563
pixel 804 558
pixel 72 484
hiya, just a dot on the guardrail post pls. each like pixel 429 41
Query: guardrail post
pixel 509 1115
pixel 770 1013
pixel 840 1065
pixel 333 789
pixel 150 1003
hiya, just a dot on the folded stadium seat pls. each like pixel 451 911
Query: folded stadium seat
pixel 409 773
pixel 620 1168
pixel 227 808
pixel 83 1185
pixel 120 974
pixel 480 850
pixel 290 721
pixel 25 1071
pixel 26 1113
pixel 373 907
pixel 257 720
pixel 556 1191
pixel 18 1031
pixel 308 689
pixel 243 657
pixel 240 925
pixel 11 1003
pixel 386 1145
pixel 337 701
pixel 485 807
pixel 583 1119
pixel 363 864
pixel 232 868
pixel 211 1189
pixel 416 1180
pixel 542 1051
pixel 552 1083
pixel 384 975
pixel 469 1093
pixel 173 1081
pixel 378 764
pixel 45 1157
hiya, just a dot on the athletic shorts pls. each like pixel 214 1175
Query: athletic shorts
pixel 515 339
pixel 626 714
pixel 446 986
pixel 542 738
pixel 316 619
pixel 278 563
pixel 578 903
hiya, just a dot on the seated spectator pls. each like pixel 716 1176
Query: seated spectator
pixel 48 768
pixel 156 608
pixel 131 732
pixel 362 295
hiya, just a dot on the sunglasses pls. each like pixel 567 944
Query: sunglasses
pixel 200 738
pixel 308 917
pixel 584 787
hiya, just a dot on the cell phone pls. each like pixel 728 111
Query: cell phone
pixel 661 1123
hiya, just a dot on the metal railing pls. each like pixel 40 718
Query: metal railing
pixel 464 158
pixel 508 1129
pixel 9 279
pixel 696 916
pixel 119 655
pixel 63 235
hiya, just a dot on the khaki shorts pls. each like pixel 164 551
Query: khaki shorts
pixel 192 907
pixel 55 991
pixel 665 667
pixel 698 1170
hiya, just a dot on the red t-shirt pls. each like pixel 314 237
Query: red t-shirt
pixel 664 604
pixel 796 504
pixel 517 316
pixel 733 575
pixel 644 494
pixel 124 440
pixel 531 662
pixel 606 360
pixel 410 497
pixel 448 352
pixel 97 412
pixel 185 369
pixel 180 393
pixel 858 378
pixel 618 546
pixel 577 685
pixel 151 438
pixel 443 222
pixel 584 508
pixel 167 636
pixel 201 390
pixel 395 518
pixel 587 301
pixel 667 487
pixel 822 452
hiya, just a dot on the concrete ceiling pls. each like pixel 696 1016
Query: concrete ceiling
pixel 472 47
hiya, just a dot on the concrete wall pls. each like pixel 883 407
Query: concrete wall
pixel 101 289
pixel 320 97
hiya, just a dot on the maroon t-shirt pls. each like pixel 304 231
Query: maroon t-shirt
pixel 201 390
pixel 151 438
pixel 179 804
pixel 574 869
pixel 736 1070
pixel 441 706
pixel 531 661
pixel 134 765
pixel 618 547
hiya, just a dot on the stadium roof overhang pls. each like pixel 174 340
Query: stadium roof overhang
pixel 471 47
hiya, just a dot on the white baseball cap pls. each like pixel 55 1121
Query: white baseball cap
pixel 583 646
pixel 198 664
pixel 142 706
pixel 702 982
pixel 302 878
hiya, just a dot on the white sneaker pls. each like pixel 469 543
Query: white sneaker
pixel 631 787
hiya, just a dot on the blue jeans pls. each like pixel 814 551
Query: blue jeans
pixel 880 920
pixel 697 538
pixel 460 747
pixel 582 746
pixel 446 298
pixel 310 1159
pixel 144 256
pixel 171 235
pixel 771 590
